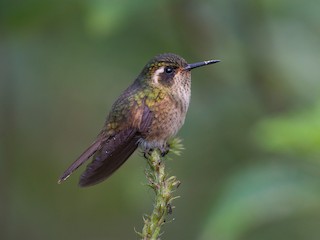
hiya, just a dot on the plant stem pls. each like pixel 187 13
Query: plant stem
pixel 163 187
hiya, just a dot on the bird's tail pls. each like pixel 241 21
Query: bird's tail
pixel 80 160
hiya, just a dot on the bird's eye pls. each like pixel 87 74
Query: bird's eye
pixel 168 70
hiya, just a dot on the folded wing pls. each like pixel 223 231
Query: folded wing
pixel 115 151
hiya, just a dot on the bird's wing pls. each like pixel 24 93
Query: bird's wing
pixel 115 150
pixel 127 120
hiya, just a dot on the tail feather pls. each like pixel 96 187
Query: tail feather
pixel 80 160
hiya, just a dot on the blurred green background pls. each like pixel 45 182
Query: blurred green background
pixel 250 168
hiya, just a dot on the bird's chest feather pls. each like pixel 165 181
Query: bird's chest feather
pixel 168 115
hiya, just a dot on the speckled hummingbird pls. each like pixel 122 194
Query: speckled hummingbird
pixel 147 114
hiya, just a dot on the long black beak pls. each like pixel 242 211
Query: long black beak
pixel 200 64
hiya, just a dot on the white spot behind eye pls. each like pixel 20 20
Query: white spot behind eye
pixel 156 74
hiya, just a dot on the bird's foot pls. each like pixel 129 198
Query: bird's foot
pixel 147 153
pixel 164 150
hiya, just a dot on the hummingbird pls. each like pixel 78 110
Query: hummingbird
pixel 146 115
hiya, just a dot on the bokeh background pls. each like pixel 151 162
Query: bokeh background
pixel 250 169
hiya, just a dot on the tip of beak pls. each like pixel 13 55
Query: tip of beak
pixel 200 64
pixel 211 61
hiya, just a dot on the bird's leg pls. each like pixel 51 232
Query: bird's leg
pixel 147 153
pixel 164 150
